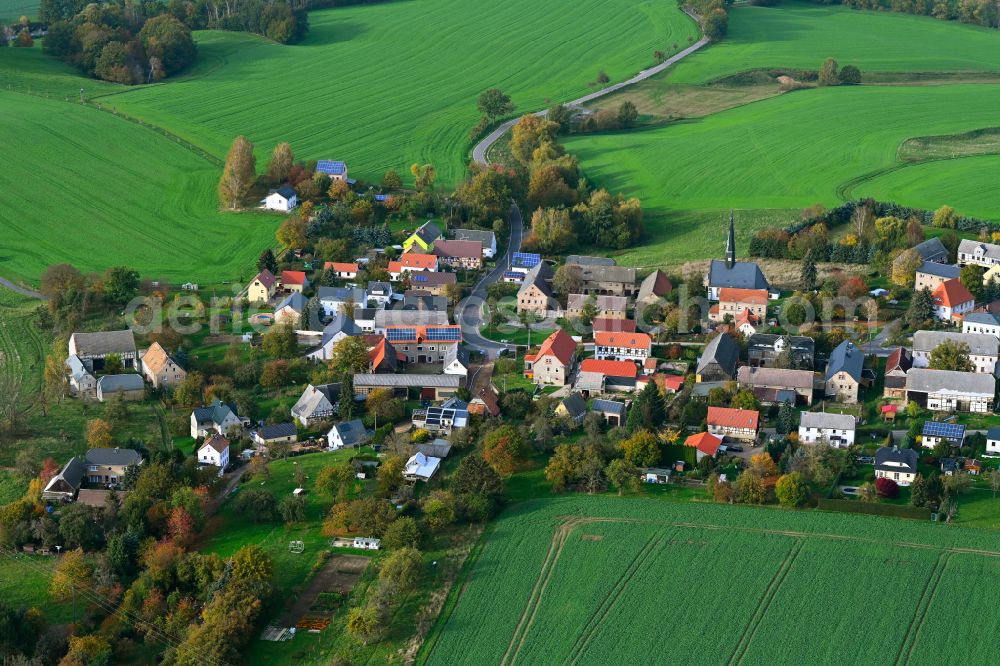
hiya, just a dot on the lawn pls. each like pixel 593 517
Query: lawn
pixel 585 579
pixel 386 85
pixel 105 192
pixel 24 583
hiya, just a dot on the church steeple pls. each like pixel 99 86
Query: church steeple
pixel 731 243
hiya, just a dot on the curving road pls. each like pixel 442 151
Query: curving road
pixel 481 148
pixel 20 290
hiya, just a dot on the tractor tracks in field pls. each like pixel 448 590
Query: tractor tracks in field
pixel 926 598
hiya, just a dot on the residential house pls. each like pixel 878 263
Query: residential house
pixel 366 543
pixel 950 391
pixel 379 293
pixel 486 402
pixel 283 199
pixel 453 414
pixel 316 404
pixel 836 429
pixel 276 433
pixel 420 467
pixel 107 466
pixel 436 283
pixel 931 274
pixel 733 274
pixel 456 360
pixel 607 307
pixel 978 253
pixel 705 444
pixel 574 408
pixel 734 302
pixel 64 486
pixel 432 387
pixel 424 344
pixel 335 300
pixel 417 299
pixel 160 369
pixel 769 349
pixel 535 293
pixel 932 249
pixel 290 308
pixel 402 317
pixel 214 452
pixel 129 387
pixel 339 328
pixel 742 424
pixel 333 169
pixel 423 239
pixel 935 432
pixel 667 383
pixel 294 281
pixel 487 239
pixel 459 253
pixel 348 435
pixel 606 280
pixel 553 362
pixel 775 386
pixel 439 448
pixel 993 442
pixel 341 269
pixel 952 300
pixel 612 411
pixel 717 362
pixel 218 418
pixel 984 323
pixel 843 372
pixel 262 287
pixel 899 465
pixel 81 382
pixel 623 346
pixel 606 325
pixel 600 376
pixel 653 287
pixel 383 357
pixel 93 349
pixel 412 262
pixel 896 366
pixel 746 323
pixel 983 348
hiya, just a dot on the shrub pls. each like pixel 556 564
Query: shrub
pixel 887 488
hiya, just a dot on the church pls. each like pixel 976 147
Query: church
pixel 734 274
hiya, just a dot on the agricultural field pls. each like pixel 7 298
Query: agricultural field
pixel 11 10
pixel 586 580
pixel 22 348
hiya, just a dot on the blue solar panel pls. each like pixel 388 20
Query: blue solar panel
pixel 402 333
pixel 331 167
pixel 419 278
pixel 525 259
pixel 452 333
pixel 939 429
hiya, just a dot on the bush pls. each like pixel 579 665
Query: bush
pixel 257 504
pixel 887 488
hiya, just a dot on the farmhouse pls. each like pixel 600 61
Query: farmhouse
pixel 612 411
pixel 283 199
pixel 335 300
pixel 81 382
pixel 451 415
pixel 931 274
pixel 487 239
pixel 899 465
pixel 333 169
pixel 740 424
pixel 731 273
pixel 775 386
pixel 420 467
pixel 339 328
pixel 767 349
pixel 947 390
pixel 606 280
pixel 952 300
pixel 606 325
pixel 717 362
pixel 262 287
pixel 99 466
pixel 705 444
pixel 934 250
pixel 553 362
pixel 935 432
pixel 275 434
pixel 65 485
pixel 608 307
pixel 423 239
pixel 983 349
pixel 587 260
pixel 896 366
pixel 342 270
pixel 486 402
pixel 456 360
pixel 348 435
pixel 653 287
pixel 432 387
pixel 622 346
pixel 573 408
pixel 843 372
pixel 160 369
pixel 535 295
pixel 316 403
pixel 215 418
pixel 129 387
pixel 294 281
pixel 424 344
pixel 459 254
pixel 836 429
pixel 93 349
pixel 597 376
pixel 434 282
pixel 984 323
pixel 977 253
pixel 214 452
pixel 736 302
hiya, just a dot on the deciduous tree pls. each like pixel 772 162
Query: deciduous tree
pixel 281 162
pixel 494 103
pixel 951 355
pixel 624 475
pixel 828 73
pixel 641 449
pixel 238 174
pixel 791 490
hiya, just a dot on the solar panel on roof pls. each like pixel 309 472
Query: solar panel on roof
pixel 940 429
pixel 419 278
pixel 525 259
pixel 396 334
pixel 452 333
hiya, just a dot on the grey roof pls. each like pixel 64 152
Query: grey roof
pixel 993 433
pixel 114 383
pixel 648 287
pixel 540 276
pixel 946 271
pixel 314 399
pixel 365 314
pixel 276 430
pixel 439 448
pixel 982 318
pixel 585 260
pixel 295 300
pixel 352 433
pixel 456 353
pixel 286 191
pixel 487 238
pixel 77 369
pixel 113 457
pixel 845 358
pixel 415 299
pixel 932 249
pixel 800 344
pixel 722 350
pixel 775 377
pixel 404 317
pixel 826 420
pixel 592 273
pixel 393 381
pixel 575 405
pixel 340 294
pixel 72 473
pixel 743 275
pixel 428 232
pixel 107 342
pixel 969 246
pixel 379 289
pixel 603 303
pixel 216 412
pixel 950 382
pixel 980 344
pixel 608 407
pixel 893 454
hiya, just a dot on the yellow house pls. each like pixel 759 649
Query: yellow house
pixel 992 274
pixel 423 238
pixel 261 288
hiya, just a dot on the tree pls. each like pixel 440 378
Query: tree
pixel 568 279
pixel 808 273
pixel 71 573
pixel 389 475
pixel 564 470
pixel 828 73
pixel 745 399
pixel 257 504
pixel 850 75
pixel 627 114
pixel 994 477
pixel 921 308
pixel 281 341
pixel 423 176
pixel 402 533
pixel 98 434
pixel 334 480
pixel 918 491
pixel 475 476
pixel 786 418
pixel 267 261
pixel 951 355
pixel 623 474
pixel 763 465
pixel 349 356
pixel 945 218
pixel 971 277
pixel 750 488
pixel 904 267
pixel 88 649
pixel 392 180
pixel 529 134
pixel 867 492
pixel 238 174
pixel 552 230
pixel 121 284
pixel 494 103
pixel 293 509
pixel 281 162
pixel 363 623
pixel 791 490
pixel 292 233
pixel 886 488
pixel 401 569
pixel 958 483
pixel 180 527
pixel 504 449
pixel 641 449
pixel 440 509
pixel 167 39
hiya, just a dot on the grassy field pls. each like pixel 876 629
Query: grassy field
pixel 24 582
pixel 11 10
pixel 22 348
pixel 585 581
pixel 386 85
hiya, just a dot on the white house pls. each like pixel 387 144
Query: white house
pixel 341 327
pixel 342 269
pixel 899 465
pixel 983 348
pixel 349 434
pixel 215 451
pixel 978 253
pixel 487 238
pixel 420 467
pixel 622 346
pixel 380 293
pixel 838 429
pixel 335 299
pixel 82 383
pixel 216 418
pixel 952 300
pixel 283 199
pixel 335 169
pixel 456 360
pixel 993 442
pixel 367 543
pixel 984 323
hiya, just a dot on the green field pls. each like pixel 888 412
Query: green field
pixel 11 10
pixel 386 85
pixel 612 581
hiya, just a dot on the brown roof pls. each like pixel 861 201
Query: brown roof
pixel 463 249
pixel 490 399
pixel 217 442
pixel 608 324
pixel 266 278
pixel 155 358
pixel 559 345
pixel 900 359
pixel 752 296
pixel 96 496
pixel 628 341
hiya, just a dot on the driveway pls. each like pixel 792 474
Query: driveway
pixel 469 312
pixel 875 347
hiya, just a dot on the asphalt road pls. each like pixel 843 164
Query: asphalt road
pixel 470 311
pixel 20 290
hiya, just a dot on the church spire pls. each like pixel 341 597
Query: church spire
pixel 731 243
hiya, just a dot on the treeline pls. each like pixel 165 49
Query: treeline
pixel 977 12
pixel 714 17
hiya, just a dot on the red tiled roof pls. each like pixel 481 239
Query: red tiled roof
pixel 293 277
pixel 726 417
pixel 341 267
pixel 421 333
pixel 673 382
pixel 627 340
pixel 560 345
pixel 609 368
pixel 610 325
pixel 900 359
pixel 266 278
pixel 752 296
pixel 746 317
pixel 951 294
pixel 490 400
pixel 417 260
pixel 705 442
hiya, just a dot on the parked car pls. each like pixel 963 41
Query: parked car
pixel 735 448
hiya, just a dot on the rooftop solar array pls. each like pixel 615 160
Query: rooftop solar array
pixel 399 333
pixel 449 334
pixel 525 259
pixel 331 167
pixel 939 429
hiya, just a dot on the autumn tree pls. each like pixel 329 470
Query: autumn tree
pixel 72 573
pixel 292 233
pixel 624 475
pixel 363 623
pixel 389 475
pixel 552 230
pixel 750 488
pixel 641 449
pixel 349 356
pixel 791 490
pixel 828 73
pixel 945 217
pixel 904 267
pixel 568 279
pixel 238 174
pixel 392 180
pixel 529 133
pixel 98 434
pixel 281 162
pixel 763 465
pixel 423 176
pixel 951 355
pixel 504 449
